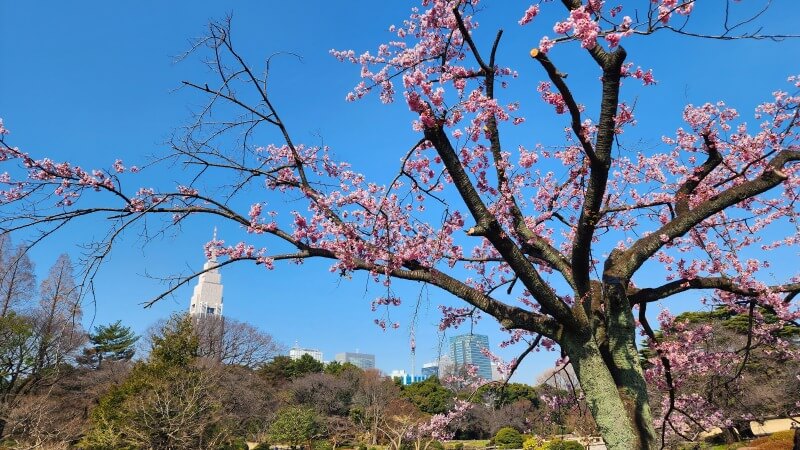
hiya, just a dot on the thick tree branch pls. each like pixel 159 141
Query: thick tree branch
pixel 572 106
pixel 700 173
pixel 648 295
pixel 598 175
pixel 489 227
pixel 622 264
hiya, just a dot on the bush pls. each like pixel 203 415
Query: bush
pixel 262 446
pixel 458 446
pixel 781 440
pixel 508 437
pixel 436 445
pixel 238 444
pixel 362 447
pixel 782 435
pixel 322 445
pixel 563 445
pixel 534 443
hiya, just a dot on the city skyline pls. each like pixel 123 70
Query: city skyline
pixel 207 299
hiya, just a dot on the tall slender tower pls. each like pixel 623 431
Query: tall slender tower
pixel 207 296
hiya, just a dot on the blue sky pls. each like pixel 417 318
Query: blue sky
pixel 94 81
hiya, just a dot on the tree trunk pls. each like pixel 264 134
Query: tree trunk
pixel 622 358
pixel 796 445
pixel 623 424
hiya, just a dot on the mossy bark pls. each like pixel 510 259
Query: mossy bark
pixel 622 358
pixel 602 396
pixel 612 378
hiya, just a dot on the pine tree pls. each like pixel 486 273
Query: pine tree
pixel 167 402
pixel 114 342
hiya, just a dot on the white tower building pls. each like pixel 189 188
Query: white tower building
pixel 207 296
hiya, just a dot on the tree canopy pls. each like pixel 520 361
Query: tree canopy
pixel 114 342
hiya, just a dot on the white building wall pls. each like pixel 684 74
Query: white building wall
pixel 297 353
pixel 207 296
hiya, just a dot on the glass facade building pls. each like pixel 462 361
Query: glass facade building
pixel 360 360
pixel 430 370
pixel 467 350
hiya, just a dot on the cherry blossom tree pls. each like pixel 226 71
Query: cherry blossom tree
pixel 550 240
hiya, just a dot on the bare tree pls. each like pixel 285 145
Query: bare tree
pixel 17 279
pixel 330 395
pixel 57 318
pixel 38 344
pixel 373 398
pixel 233 342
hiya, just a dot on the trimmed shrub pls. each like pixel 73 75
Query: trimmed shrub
pixel 435 445
pixel 781 440
pixel 322 445
pixel 782 435
pixel 534 443
pixel 558 444
pixel 508 437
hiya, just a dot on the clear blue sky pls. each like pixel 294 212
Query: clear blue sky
pixel 92 81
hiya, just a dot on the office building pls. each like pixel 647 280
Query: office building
pixel 496 375
pixel 430 369
pixel 467 350
pixel 297 352
pixel 361 360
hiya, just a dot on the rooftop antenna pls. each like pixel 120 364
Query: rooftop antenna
pixel 214 246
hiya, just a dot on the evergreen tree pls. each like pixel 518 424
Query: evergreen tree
pixel 305 365
pixel 429 396
pixel 283 368
pixel 167 401
pixel 113 342
pixel 296 426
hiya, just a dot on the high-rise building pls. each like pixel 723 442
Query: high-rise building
pixel 467 350
pixel 207 296
pixel 430 369
pixel 296 352
pixel 361 360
